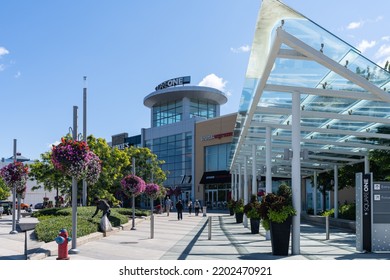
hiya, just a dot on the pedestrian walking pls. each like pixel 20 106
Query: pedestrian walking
pixel 197 207
pixel 190 207
pixel 179 208
pixel 168 205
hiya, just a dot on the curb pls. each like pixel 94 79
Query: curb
pixel 51 248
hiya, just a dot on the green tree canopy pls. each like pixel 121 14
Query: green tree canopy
pixel 5 192
pixel 116 164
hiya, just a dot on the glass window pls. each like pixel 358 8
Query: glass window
pixel 216 157
pixel 200 108
pixel 167 113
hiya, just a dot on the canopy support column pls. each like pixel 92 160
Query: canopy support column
pixel 296 170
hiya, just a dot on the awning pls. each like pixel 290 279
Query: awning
pixel 216 177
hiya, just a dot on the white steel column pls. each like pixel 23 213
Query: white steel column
pixel 235 185
pixel 254 182
pixel 315 194
pixel 366 165
pixel 336 192
pixel 268 166
pixel 296 170
pixel 245 221
pixel 239 183
pixel 232 184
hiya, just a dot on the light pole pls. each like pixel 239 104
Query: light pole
pixel 74 249
pixel 14 231
pixel 151 207
pixel 85 135
pixel 133 199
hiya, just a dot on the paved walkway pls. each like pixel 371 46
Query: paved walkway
pixel 187 239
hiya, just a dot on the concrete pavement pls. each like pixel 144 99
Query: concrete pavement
pixel 187 239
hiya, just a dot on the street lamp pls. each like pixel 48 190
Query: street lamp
pixel 14 231
pixel 74 249
pixel 133 199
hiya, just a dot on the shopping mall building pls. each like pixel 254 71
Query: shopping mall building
pixel 189 135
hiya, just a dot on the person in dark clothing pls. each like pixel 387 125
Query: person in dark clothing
pixel 197 207
pixel 102 205
pixel 179 208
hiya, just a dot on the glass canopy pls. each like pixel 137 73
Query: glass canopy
pixel 344 97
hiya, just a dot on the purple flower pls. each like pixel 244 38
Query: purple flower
pixel 74 158
pixel 152 190
pixel 133 185
pixel 15 176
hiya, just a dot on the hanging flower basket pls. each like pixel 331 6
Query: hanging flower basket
pixel 93 168
pixel 133 185
pixel 70 157
pixel 152 190
pixel 15 176
pixel 74 158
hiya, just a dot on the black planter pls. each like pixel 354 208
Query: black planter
pixel 255 225
pixel 231 211
pixel 239 217
pixel 280 237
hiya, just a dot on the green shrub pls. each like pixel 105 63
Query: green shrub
pixel 348 211
pixel 47 229
pixel 52 220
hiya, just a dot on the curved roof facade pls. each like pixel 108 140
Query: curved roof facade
pixel 178 92
pixel 343 97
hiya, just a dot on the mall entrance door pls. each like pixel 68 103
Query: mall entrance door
pixel 211 199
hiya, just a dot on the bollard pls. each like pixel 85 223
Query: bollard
pixel 62 240
pixel 204 211
pixel 210 219
pixel 327 227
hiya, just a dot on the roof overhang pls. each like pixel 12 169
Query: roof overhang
pixel 344 97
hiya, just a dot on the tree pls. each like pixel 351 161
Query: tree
pixel 5 191
pixel 48 177
pixel 116 164
pixel 325 183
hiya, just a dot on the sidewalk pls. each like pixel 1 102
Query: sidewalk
pixel 188 239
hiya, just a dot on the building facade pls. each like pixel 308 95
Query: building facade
pixel 213 138
pixel 175 110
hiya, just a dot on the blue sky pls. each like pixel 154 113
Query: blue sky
pixel 126 48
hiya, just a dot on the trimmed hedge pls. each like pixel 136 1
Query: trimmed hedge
pixel 52 220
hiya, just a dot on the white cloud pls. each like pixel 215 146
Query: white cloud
pixel 384 51
pixel 383 61
pixel 355 24
pixel 386 38
pixel 3 51
pixel 2 67
pixel 53 144
pixel 364 45
pixel 241 49
pixel 214 81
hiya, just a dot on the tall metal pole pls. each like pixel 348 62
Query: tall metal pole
pixel 74 249
pixel 133 199
pixel 14 231
pixel 85 134
pixel 151 209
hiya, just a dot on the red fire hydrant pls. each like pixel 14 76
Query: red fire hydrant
pixel 62 240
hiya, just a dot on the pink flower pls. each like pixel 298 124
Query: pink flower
pixel 133 185
pixel 15 175
pixel 152 190
pixel 74 158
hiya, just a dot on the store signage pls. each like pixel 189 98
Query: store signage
pixel 174 82
pixel 366 212
pixel 216 136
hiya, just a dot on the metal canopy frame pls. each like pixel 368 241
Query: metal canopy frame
pixel 343 97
